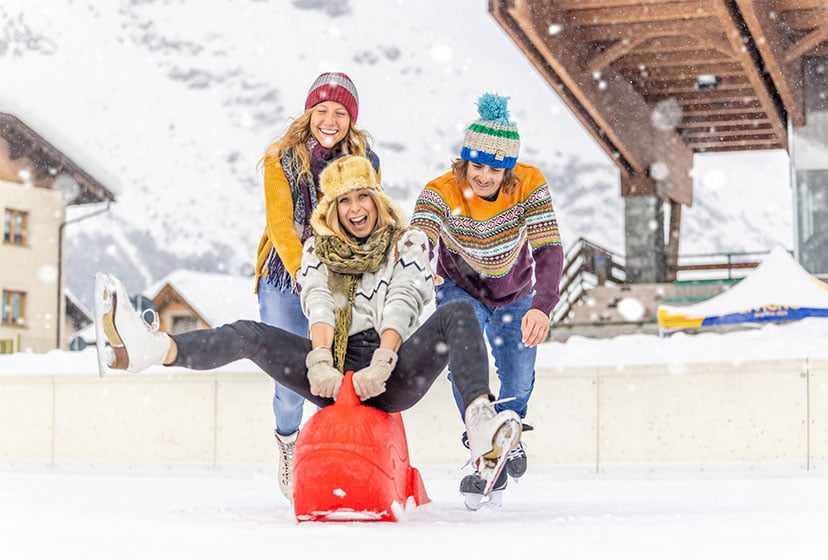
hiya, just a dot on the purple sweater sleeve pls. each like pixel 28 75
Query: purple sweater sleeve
pixel 548 268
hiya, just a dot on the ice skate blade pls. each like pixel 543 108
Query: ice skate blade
pixel 505 439
pixel 102 305
pixel 110 347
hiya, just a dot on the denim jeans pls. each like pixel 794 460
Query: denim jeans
pixel 282 309
pixel 514 362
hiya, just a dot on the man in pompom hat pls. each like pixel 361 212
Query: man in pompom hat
pixel 491 222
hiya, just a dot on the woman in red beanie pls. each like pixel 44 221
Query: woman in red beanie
pixel 292 163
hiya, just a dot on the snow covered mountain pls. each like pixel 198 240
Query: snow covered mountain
pixel 176 100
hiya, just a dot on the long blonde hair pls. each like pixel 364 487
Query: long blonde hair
pixel 356 142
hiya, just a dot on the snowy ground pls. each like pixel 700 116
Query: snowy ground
pixel 207 515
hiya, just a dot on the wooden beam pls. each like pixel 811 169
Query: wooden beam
pixel 677 157
pixel 652 87
pixel 719 119
pixel 588 4
pixel 808 42
pixel 820 51
pixel 737 144
pixel 722 134
pixel 707 110
pixel 746 135
pixel 805 20
pixel 716 266
pixel 702 130
pixel 704 96
pixel 683 59
pixel 681 72
pixel 740 148
pixel 724 107
pixel 670 43
pixel 654 29
pixel 636 13
pixel 715 41
pixel 770 41
pixel 787 5
pixel 638 186
pixel 613 53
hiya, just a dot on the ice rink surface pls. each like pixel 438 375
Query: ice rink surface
pixel 133 513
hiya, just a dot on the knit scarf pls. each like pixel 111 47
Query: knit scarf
pixel 303 192
pixel 346 262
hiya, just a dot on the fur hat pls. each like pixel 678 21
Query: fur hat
pixel 493 139
pixel 334 86
pixel 345 174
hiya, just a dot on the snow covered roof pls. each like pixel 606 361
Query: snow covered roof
pixel 76 309
pixel 217 298
pixel 55 157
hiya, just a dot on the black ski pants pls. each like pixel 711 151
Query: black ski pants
pixel 451 333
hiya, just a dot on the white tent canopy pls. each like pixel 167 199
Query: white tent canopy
pixel 779 289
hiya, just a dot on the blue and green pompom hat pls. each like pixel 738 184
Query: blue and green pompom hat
pixel 493 139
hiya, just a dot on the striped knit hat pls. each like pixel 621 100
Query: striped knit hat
pixel 493 139
pixel 334 86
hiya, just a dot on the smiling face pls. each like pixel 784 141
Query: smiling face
pixel 357 212
pixel 483 179
pixel 329 123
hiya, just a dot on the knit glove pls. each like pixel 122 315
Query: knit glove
pixel 324 379
pixel 370 381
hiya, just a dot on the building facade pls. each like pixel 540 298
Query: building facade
pixel 37 183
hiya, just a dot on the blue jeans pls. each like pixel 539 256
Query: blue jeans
pixel 282 309
pixel 514 362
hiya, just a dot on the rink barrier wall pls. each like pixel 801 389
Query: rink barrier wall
pixel 698 417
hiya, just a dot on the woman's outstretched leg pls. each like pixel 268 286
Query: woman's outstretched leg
pixel 132 345
pixel 278 353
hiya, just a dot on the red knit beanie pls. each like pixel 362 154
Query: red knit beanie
pixel 334 86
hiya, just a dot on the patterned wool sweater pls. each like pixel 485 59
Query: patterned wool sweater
pixel 497 251
pixel 391 298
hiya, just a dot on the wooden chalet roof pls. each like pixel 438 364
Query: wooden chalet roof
pixel 699 75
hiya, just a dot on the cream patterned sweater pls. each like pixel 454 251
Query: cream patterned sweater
pixel 391 298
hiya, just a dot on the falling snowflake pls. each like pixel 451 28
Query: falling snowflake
pixel 666 115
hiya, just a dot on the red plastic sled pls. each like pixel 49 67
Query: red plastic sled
pixel 351 464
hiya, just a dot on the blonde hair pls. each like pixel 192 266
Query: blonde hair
pixel 295 138
pixel 509 184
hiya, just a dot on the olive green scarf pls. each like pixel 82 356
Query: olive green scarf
pixel 346 261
